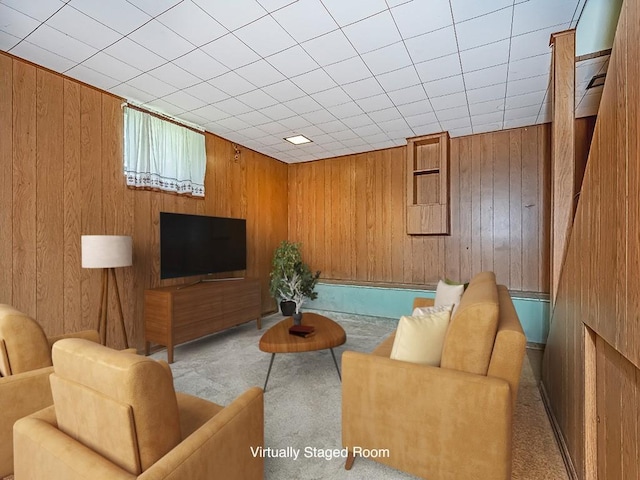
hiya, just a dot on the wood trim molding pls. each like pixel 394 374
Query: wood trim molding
pixel 557 432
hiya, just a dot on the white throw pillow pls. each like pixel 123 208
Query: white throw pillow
pixel 420 339
pixel 421 311
pixel 448 295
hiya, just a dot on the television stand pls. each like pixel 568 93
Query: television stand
pixel 176 314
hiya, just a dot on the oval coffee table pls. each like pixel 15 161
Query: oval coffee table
pixel 328 334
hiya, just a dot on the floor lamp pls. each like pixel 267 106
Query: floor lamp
pixel 107 252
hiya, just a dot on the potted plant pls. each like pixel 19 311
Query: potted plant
pixel 291 279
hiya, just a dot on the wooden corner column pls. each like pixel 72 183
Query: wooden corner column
pixel 563 163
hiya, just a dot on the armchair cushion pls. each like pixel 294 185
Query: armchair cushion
pixel 419 339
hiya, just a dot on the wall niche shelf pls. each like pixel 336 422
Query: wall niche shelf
pixel 428 185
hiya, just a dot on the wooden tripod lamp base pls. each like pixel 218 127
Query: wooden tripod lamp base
pixel 108 252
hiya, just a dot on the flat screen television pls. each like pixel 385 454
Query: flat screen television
pixel 200 245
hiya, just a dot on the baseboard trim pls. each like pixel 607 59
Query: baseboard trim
pixel 555 426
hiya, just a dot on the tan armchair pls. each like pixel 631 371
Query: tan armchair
pixel 25 366
pixel 116 416
pixel 447 422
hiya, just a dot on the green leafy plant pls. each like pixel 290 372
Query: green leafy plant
pixel 291 278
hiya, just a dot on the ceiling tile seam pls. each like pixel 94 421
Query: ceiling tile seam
pixel 478 16
pixel 573 18
pixel 464 83
pixel 506 85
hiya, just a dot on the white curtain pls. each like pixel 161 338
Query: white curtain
pixel 162 155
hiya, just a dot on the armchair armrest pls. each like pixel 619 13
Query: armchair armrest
pixel 92 335
pixel 433 422
pixel 20 395
pixel 222 447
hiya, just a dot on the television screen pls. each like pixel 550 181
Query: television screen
pixel 200 245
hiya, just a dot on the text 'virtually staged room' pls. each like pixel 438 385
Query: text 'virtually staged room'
pixel 319 239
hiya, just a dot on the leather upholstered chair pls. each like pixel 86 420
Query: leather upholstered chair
pixel 117 416
pixel 25 366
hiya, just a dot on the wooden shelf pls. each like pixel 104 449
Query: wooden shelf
pixel 428 185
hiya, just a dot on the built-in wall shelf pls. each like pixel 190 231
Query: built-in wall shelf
pixel 428 185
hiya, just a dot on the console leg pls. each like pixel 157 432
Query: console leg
pixel 335 361
pixel 350 459
pixel 273 355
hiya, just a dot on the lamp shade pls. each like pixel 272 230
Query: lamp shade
pixel 106 251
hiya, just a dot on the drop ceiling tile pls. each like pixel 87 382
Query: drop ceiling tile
pixel 521 112
pixel 352 11
pixel 16 23
pixel 230 51
pixel 331 97
pixel 387 59
pixel 191 22
pixel 332 126
pixel 330 48
pixel 455 123
pixel 152 85
pixel 525 100
pixel 486 118
pixel 162 106
pixel 217 129
pixel 376 137
pixel 467 9
pixel 81 27
pixel 193 118
pixel 486 29
pixel 375 103
pixel 416 121
pixel 56 42
pixel 305 19
pixel 386 32
pixel 363 88
pixel 537 14
pixel 257 99
pixel 347 71
pixel 408 95
pixel 233 106
pixel 129 92
pixel 154 7
pixel 446 86
pixel 314 81
pixel 7 41
pixel 233 14
pixel 485 77
pixel 533 43
pixel 295 123
pixel 107 65
pixel 345 110
pixel 398 79
pixel 278 112
pixel 452 114
pixel 38 9
pixel 303 105
pixel 416 108
pixel 382 144
pixel 416 18
pixel 449 101
pixel 484 94
pixel 273 5
pixel 442 67
pixel 265 36
pixel 492 106
pixel 520 122
pixel 274 128
pixel 174 75
pixel 485 56
pixel 487 127
pixel 390 113
pixel 530 67
pixel 527 85
pixel 313 133
pixel 293 61
pixel 91 77
pixel 319 116
pixel 206 92
pixel 233 123
pixel 357 121
pixel 120 15
pixel 185 101
pixel 283 91
pixel 260 73
pixel 232 84
pixel 356 143
pixel 432 45
pixel 134 55
pixel 161 40
pixel 255 118
pixel 430 128
pixel 201 65
pixel 397 129
pixel 343 135
pixel 586 70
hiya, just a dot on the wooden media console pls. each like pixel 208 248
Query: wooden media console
pixel 177 314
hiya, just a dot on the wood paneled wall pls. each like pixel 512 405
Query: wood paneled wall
pixel 599 283
pixel 61 177
pixel 349 214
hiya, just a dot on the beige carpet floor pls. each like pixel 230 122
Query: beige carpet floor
pixel 302 401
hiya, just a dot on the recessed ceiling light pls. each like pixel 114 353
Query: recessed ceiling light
pixel 298 139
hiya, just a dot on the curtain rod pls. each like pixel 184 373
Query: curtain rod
pixel 164 116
